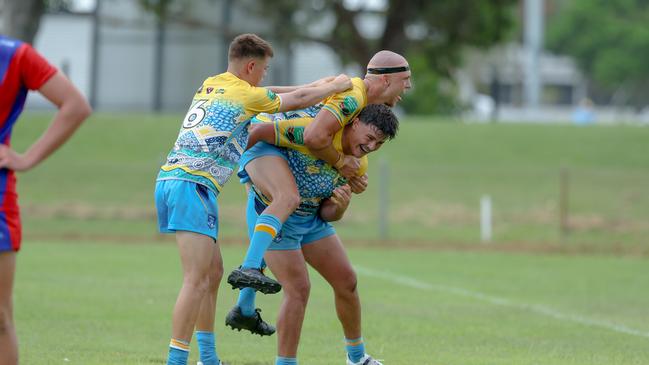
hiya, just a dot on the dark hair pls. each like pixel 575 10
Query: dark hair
pixel 249 45
pixel 381 117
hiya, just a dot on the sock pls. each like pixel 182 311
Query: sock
pixel 207 348
pixel 178 352
pixel 247 301
pixel 266 229
pixel 355 349
pixel 285 361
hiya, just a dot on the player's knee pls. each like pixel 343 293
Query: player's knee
pixel 289 201
pixel 215 276
pixel 349 285
pixel 298 292
pixel 198 283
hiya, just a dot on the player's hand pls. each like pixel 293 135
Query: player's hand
pixel 358 184
pixel 341 197
pixel 349 167
pixel 341 83
pixel 13 160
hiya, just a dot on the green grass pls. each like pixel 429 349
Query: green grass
pixel 110 303
pixel 437 173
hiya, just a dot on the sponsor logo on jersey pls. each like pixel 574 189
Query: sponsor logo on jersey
pixel 348 106
pixel 295 135
pixel 209 90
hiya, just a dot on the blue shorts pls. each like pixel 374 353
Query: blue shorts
pixel 186 206
pixel 260 149
pixel 297 231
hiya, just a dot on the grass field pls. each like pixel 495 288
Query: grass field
pixel 96 283
pixel 101 304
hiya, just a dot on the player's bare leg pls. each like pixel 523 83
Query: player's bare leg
pixel 272 176
pixel 197 254
pixel 8 340
pixel 205 320
pixel 290 269
pixel 328 257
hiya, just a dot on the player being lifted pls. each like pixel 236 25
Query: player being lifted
pixel 388 76
pixel 205 154
pixel 306 236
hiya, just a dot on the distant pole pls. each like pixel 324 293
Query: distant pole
pixel 533 37
pixel 485 219
pixel 564 197
pixel 158 61
pixel 94 55
pixel 384 197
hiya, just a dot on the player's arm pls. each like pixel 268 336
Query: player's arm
pixel 333 209
pixel 73 109
pixel 318 138
pixel 288 89
pixel 261 132
pixel 304 97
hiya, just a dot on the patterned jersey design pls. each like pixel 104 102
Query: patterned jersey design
pixel 316 180
pixel 214 131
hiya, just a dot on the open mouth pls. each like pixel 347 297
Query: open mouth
pixel 364 149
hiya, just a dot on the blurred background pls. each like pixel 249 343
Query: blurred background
pixel 525 125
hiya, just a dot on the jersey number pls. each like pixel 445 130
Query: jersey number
pixel 195 115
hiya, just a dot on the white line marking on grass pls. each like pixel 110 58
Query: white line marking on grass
pixel 535 308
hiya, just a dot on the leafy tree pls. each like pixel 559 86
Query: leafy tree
pixel 430 33
pixel 610 42
pixel 21 19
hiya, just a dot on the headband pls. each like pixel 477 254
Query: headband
pixel 387 70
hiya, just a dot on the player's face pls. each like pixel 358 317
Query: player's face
pixel 257 68
pixel 397 84
pixel 365 138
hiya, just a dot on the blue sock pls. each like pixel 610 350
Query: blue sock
pixel 285 361
pixel 266 229
pixel 247 301
pixel 207 348
pixel 178 352
pixel 355 349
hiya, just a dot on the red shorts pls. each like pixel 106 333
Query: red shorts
pixel 10 227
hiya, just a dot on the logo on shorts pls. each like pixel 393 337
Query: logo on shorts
pixel 278 237
pixel 211 221
pixel 295 135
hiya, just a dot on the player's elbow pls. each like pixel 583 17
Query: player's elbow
pixel 314 140
pixel 77 109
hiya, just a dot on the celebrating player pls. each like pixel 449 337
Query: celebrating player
pixel 306 236
pixel 202 160
pixel 388 76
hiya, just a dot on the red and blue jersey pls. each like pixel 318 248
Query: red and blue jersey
pixel 21 69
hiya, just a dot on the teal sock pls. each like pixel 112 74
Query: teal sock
pixel 355 349
pixel 246 301
pixel 178 352
pixel 285 361
pixel 266 229
pixel 207 348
